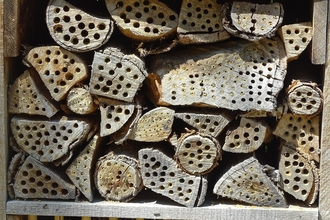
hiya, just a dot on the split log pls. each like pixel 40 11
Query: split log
pixel 76 30
pixel 303 132
pixel 49 141
pixel 197 154
pixel 161 174
pixel 80 101
pixel 200 22
pixel 15 164
pixel 36 181
pixel 304 98
pixel 143 20
pixel 117 75
pixel 26 97
pixel 248 137
pixel 81 169
pixel 246 182
pixel 252 21
pixel 59 69
pixel 313 195
pixel 296 38
pixel 238 76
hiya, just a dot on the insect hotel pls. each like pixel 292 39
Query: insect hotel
pixel 191 109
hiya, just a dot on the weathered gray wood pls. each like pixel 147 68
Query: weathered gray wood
pixel 281 109
pixel 15 163
pixel 80 101
pixel 12 38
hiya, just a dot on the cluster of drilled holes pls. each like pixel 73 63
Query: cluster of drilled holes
pixel 114 114
pixel 303 100
pixel 297 32
pixel 161 123
pixel 206 125
pixel 249 136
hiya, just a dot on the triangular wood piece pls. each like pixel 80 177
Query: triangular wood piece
pixel 303 132
pixel 170 181
pixel 25 97
pixel 154 126
pixel 246 182
pixel 114 114
pixel 58 68
pixel 36 181
pixel 208 123
pixel 76 30
pixel 80 171
pixel 49 140
pixel 252 21
pixel 117 75
pixel 80 101
pixel 296 38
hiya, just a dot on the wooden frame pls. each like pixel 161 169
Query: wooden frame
pixel 9 47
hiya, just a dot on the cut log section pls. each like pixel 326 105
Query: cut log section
pixel 36 181
pixel 154 126
pixel 117 75
pixel 80 171
pixel 47 140
pixel 26 97
pixel 76 30
pixel 252 21
pixel 197 154
pixel 313 195
pixel 59 69
pixel 200 22
pixel 304 98
pixel 296 38
pixel 248 137
pixel 15 164
pixel 301 131
pixel 246 182
pixel 80 101
pixel 238 76
pixel 161 174
pixel 143 20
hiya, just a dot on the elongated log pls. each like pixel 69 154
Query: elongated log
pixel 80 101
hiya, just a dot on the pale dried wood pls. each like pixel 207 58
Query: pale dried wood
pixel 296 38
pixel 197 154
pixel 252 21
pixel 170 181
pixel 58 68
pixel 25 96
pixel 15 163
pixel 303 132
pixel 154 126
pixel 34 180
pixel 76 30
pixel 248 136
pixel 304 98
pixel 238 76
pixel 200 22
pixel 246 182
pixel 143 20
pixel 314 194
pixel 281 109
pixel 80 101
pixel 117 75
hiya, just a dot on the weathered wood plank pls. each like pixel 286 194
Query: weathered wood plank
pixel 11 28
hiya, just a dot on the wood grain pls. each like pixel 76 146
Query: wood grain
pixel 11 28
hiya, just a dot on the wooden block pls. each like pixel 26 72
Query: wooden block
pixel 161 174
pixel 25 96
pixel 246 182
pixel 80 101
pixel 11 37
pixel 15 164
pixel 200 22
pixel 76 30
pixel 58 68
pixel 252 21
pixel 143 20
pixel 237 76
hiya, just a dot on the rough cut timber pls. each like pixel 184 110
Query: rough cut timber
pixel 36 181
pixel 313 195
pixel 239 75
pixel 252 21
pixel 117 75
pixel 26 97
pixel 247 182
pixel 248 137
pixel 76 30
pixel 304 98
pixel 161 174
pixel 303 132
pixel 281 109
pixel 197 154
pixel 143 20
pixel 15 164
pixel 200 22
pixel 154 126
pixel 211 123
pixel 81 169
pixel 49 140
pixel 296 38
pixel 58 68
pixel 80 101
